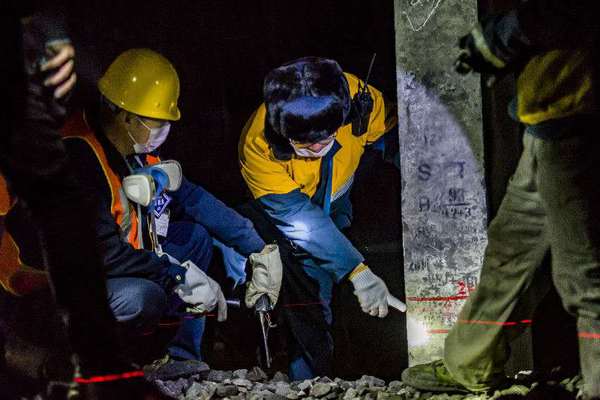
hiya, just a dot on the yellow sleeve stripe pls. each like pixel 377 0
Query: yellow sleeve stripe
pixel 361 267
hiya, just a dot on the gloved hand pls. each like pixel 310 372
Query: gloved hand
pixel 200 291
pixel 477 55
pixel 160 177
pixel 373 295
pixel 266 275
pixel 167 175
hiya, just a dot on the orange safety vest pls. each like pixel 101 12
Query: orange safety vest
pixel 122 211
pixel 18 278
pixel 15 277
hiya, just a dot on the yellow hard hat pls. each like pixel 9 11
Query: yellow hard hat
pixel 142 82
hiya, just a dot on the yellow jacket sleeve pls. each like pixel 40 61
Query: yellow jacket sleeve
pixel 262 173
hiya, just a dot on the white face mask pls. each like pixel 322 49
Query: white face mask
pixel 156 137
pixel 306 152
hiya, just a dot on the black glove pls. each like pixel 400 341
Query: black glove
pixel 476 55
pixel 49 64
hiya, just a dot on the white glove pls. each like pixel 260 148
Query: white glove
pixel 200 291
pixel 373 295
pixel 266 275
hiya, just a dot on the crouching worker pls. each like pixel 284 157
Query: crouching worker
pixel 298 154
pixel 156 229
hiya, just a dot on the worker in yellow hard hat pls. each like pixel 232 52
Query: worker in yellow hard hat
pixel 156 229
pixel 143 82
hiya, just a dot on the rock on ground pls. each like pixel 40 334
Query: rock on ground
pixel 257 385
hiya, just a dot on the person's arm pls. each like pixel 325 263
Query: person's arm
pixel 503 41
pixel 50 56
pixel 304 223
pixel 301 221
pixel 119 257
pixel 308 228
pixel 222 222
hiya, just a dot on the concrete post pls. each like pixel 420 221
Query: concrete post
pixel 441 148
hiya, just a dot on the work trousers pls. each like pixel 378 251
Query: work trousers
pixel 140 303
pixel 306 294
pixel 552 203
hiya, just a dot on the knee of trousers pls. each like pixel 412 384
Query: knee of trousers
pixel 137 303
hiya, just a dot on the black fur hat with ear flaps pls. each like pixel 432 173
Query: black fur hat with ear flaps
pixel 307 100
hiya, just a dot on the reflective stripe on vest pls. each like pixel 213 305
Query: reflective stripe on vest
pixel 124 214
pixel 9 252
pixel 6 201
pixel 151 160
pixel 15 277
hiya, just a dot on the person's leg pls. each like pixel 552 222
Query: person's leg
pixel 188 241
pixel 476 348
pixel 301 302
pixel 309 340
pixel 300 364
pixel 569 171
pixel 313 352
pixel 136 303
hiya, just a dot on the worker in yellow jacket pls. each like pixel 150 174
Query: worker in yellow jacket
pixel 298 155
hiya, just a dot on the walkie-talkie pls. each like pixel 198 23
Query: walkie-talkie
pixel 362 103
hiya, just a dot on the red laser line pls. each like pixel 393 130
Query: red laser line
pixel 168 324
pixel 449 298
pixel 199 315
pixel 110 378
pixel 480 322
pixel 301 304
pixel 178 323
pixel 589 335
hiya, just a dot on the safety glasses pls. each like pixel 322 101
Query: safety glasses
pixel 323 142
pixel 157 123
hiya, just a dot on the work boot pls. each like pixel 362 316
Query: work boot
pixel 432 377
pixel 169 368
